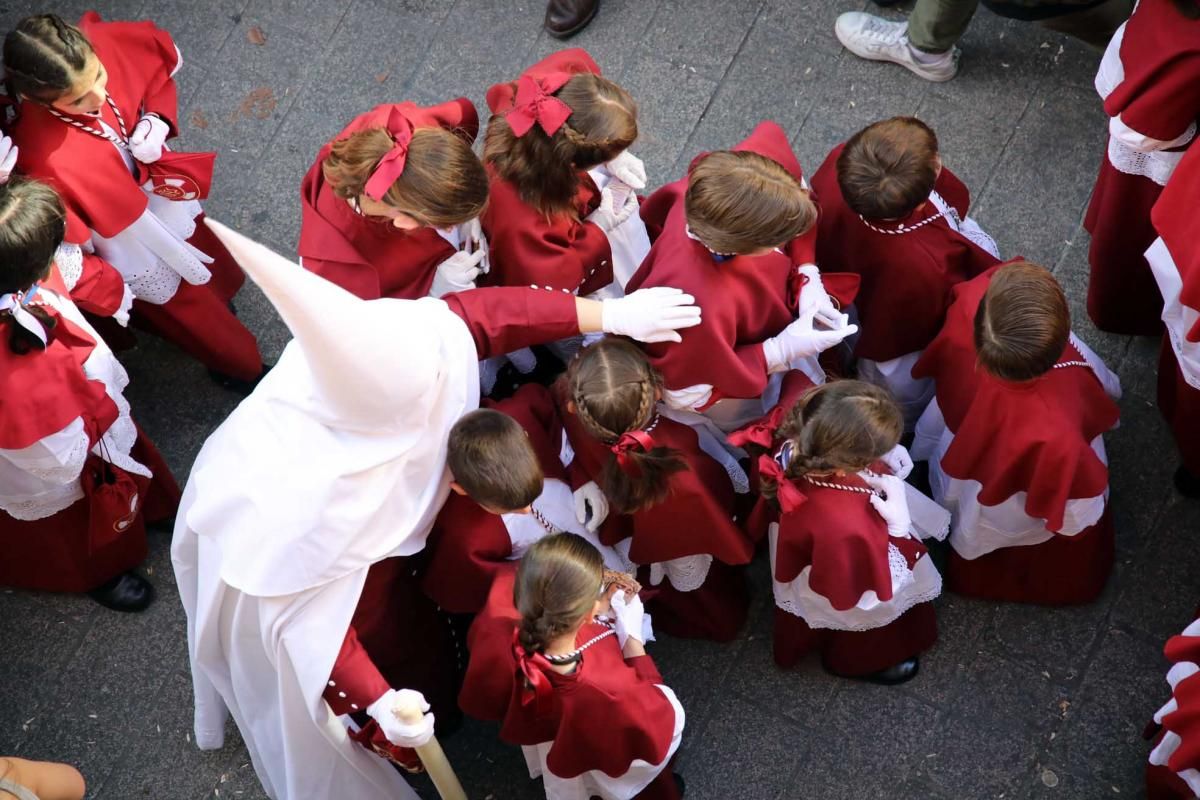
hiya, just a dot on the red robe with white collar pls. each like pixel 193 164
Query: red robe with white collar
pixel 907 277
pixel 527 248
pixel 371 257
pixel 95 184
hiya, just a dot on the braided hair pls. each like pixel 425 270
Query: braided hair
pixel 558 583
pixel 32 225
pixel 545 169
pixel 44 57
pixel 615 391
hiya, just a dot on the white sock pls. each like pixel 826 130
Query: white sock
pixel 927 58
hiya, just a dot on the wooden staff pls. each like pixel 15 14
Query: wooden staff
pixel 433 757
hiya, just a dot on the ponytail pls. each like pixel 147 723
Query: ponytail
pixel 545 167
pixel 44 57
pixel 615 392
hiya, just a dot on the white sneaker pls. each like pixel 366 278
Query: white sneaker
pixel 878 39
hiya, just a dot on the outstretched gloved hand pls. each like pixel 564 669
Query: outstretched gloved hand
pixel 801 340
pixel 650 315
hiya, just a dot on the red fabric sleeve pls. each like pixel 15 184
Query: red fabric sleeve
pixel 506 318
pixel 538 256
pixel 645 669
pixel 466 550
pixel 162 96
pixel 355 681
pixel 100 288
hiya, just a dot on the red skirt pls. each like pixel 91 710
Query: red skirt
pixel 715 611
pixel 198 319
pixel 54 554
pixel 856 652
pixel 1180 407
pixel 1163 784
pixel 1123 296
pixel 1066 570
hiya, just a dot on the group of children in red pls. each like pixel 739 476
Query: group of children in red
pixel 641 480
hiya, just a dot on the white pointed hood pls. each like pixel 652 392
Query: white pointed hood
pixel 338 458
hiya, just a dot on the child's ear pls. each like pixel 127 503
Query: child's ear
pixel 457 488
pixel 571 407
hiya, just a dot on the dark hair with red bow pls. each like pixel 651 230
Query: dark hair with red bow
pixel 557 127
pixel 615 394
pixel 429 173
pixel 558 583
pixel 32 225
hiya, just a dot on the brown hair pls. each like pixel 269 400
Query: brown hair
pixel 614 390
pixel 739 202
pixel 44 56
pixel 1022 324
pixel 491 458
pixel 32 225
pixel 545 169
pixel 842 425
pixel 1188 8
pixel 443 182
pixel 558 582
pixel 889 168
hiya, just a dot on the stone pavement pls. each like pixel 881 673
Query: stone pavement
pixel 1013 702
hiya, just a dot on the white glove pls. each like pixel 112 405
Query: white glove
pixel 631 618
pixel 472 239
pixel 121 315
pixel 650 315
pixel 893 509
pixel 148 137
pixel 801 340
pixel 615 207
pixel 898 461
pixel 457 273
pixel 591 506
pixel 628 169
pixel 8 158
pixel 171 250
pixel 388 709
pixel 814 294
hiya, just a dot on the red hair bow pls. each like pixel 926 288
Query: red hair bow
pixel 789 497
pixel 391 166
pixel 633 440
pixel 761 433
pixel 536 105
pixel 536 687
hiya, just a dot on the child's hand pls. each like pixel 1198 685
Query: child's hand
pixel 891 503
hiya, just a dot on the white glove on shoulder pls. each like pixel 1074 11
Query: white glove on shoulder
pixel 148 137
pixel 457 273
pixel 389 709
pixel 650 315
pixel 631 618
pixel 472 239
pixel 121 315
pixel 898 461
pixel 801 340
pixel 8 158
pixel 814 294
pixel 628 169
pixel 615 207
pixel 894 506
pixel 591 506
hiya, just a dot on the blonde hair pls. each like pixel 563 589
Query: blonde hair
pixel 558 582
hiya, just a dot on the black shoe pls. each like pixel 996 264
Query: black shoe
pixel 1186 483
pixel 237 385
pixel 887 3
pixel 680 786
pixel 128 592
pixel 565 18
pixel 897 673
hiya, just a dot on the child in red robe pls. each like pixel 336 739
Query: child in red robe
pixel 96 105
pixel 562 179
pixel 738 231
pixel 387 205
pixel 852 580
pixel 1175 262
pixel 671 502
pixel 577 692
pixel 1147 80
pixel 1173 771
pixel 1015 442
pixel 509 489
pixel 893 214
pixel 65 428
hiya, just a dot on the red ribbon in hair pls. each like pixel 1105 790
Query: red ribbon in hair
pixel 632 440
pixel 761 433
pixel 535 104
pixel 789 497
pixel 536 687
pixel 391 166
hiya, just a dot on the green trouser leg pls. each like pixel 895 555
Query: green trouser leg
pixel 1096 25
pixel 934 26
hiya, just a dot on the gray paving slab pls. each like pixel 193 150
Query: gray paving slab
pixel 1013 702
